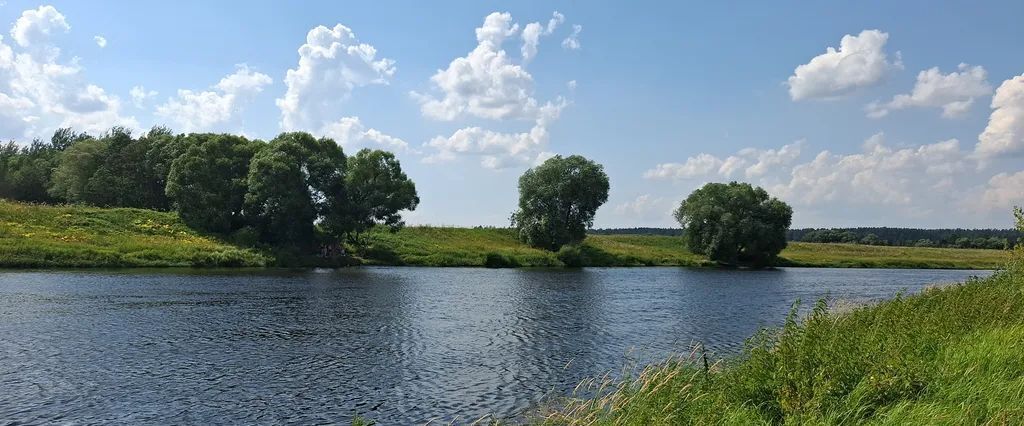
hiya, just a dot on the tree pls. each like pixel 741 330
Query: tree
pixel 28 172
pixel 377 190
pixel 558 200
pixel 735 223
pixel 77 164
pixel 292 183
pixel 207 183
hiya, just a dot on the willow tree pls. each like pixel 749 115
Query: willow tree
pixel 558 200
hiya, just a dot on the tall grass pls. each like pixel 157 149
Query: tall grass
pixel 946 356
pixel 74 236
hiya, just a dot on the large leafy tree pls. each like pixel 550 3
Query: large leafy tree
pixel 558 200
pixel 377 190
pixel 293 182
pixel 77 165
pixel 207 183
pixel 735 223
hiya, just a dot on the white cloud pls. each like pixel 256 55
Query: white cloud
pixel 571 84
pixel 207 110
pixel 100 41
pixel 485 83
pixel 499 150
pixel 573 41
pixel 140 96
pixel 754 162
pixel 532 32
pixel 860 61
pixel 332 63
pixel 40 92
pixel 350 133
pixel 1004 134
pixel 881 183
pixel 646 207
pixel 1002 192
pixel 33 30
pixel 954 92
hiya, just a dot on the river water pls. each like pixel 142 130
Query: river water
pixel 397 345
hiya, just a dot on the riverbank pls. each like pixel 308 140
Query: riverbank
pixel 947 356
pixel 38 236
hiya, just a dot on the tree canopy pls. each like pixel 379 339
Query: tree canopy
pixel 378 190
pixel 558 200
pixel 735 223
pixel 207 183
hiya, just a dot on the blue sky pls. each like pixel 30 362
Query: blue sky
pixel 666 96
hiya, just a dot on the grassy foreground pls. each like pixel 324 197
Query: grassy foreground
pixel 59 236
pixel 73 236
pixel 947 356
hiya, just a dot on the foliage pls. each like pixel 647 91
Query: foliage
pixel 912 237
pixel 947 356
pixel 39 236
pixel 78 163
pixel 207 183
pixel 377 191
pixel 294 181
pixel 558 200
pixel 498 260
pixel 735 223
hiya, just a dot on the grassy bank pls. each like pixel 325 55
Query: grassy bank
pixel 435 246
pixel 947 356
pixel 72 236
pixel 58 236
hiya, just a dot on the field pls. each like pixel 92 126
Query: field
pixel 947 356
pixel 34 236
pixel 72 236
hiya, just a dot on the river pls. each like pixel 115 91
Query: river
pixel 396 345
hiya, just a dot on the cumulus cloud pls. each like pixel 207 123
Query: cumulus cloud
pixel 332 62
pixel 499 150
pixel 573 41
pixel 140 96
pixel 207 110
pixel 487 84
pixel 646 207
pixel 1004 134
pixel 534 30
pixel 100 41
pixel 954 92
pixel 859 62
pixel 753 162
pixel 350 133
pixel 40 91
pixel 934 184
pixel 1003 191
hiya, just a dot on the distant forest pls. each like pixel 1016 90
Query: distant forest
pixel 909 237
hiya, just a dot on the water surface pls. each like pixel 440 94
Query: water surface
pixel 398 345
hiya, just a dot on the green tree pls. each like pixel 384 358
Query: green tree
pixel 78 163
pixel 558 200
pixel 207 183
pixel 293 182
pixel 377 190
pixel 28 172
pixel 735 223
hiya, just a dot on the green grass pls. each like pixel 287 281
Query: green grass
pixel 864 256
pixel 72 236
pixel 443 246
pixel 947 356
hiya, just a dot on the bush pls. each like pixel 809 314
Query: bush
pixel 498 260
pixel 571 256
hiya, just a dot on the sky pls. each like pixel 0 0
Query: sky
pixel 864 114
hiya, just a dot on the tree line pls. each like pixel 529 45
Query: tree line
pixel 911 237
pixel 293 191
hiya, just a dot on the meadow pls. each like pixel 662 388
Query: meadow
pixel 43 236
pixel 38 236
pixel 947 356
